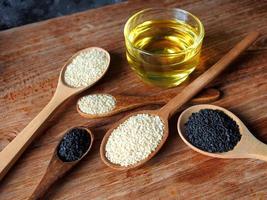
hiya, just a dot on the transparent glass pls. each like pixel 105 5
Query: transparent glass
pixel 163 45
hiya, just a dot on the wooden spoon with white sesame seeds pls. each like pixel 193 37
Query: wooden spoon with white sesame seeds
pixel 17 146
pixel 126 102
pixel 173 105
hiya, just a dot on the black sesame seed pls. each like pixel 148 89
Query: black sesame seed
pixel 212 131
pixel 73 145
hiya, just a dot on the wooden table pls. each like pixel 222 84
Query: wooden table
pixel 31 57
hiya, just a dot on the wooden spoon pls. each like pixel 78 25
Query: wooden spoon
pixel 127 102
pixel 187 93
pixel 16 147
pixel 57 168
pixel 247 147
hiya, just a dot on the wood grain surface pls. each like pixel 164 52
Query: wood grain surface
pixel 32 56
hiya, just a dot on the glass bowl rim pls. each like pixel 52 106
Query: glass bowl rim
pixel 193 46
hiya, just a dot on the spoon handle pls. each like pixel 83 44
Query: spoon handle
pixel 252 147
pixel 192 89
pixel 205 96
pixel 55 170
pixel 260 151
pixel 10 154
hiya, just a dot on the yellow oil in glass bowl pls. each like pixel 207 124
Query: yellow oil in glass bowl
pixel 161 48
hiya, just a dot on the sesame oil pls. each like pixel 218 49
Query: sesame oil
pixel 163 52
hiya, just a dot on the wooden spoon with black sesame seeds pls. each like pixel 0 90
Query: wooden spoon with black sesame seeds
pixel 10 154
pixel 248 146
pixel 177 102
pixel 58 167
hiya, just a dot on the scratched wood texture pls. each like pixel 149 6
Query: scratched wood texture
pixel 30 60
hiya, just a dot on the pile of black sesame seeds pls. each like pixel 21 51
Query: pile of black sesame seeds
pixel 212 131
pixel 73 145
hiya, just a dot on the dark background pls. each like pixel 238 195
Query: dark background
pixel 19 12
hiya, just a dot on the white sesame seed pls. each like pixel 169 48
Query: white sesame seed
pixel 97 104
pixel 134 140
pixel 86 68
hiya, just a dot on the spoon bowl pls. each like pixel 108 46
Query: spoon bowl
pixel 142 162
pixel 82 88
pixel 57 168
pixel 247 147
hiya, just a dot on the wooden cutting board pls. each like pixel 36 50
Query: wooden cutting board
pixel 32 55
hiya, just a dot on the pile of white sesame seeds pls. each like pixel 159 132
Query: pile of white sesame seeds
pixel 97 104
pixel 86 67
pixel 134 140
